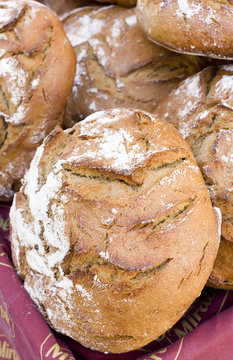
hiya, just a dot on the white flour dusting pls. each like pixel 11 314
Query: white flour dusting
pixel 98 48
pixel 87 27
pixel 83 292
pixel 188 8
pixel 225 84
pixel 192 88
pixel 49 227
pixel 104 255
pixel 15 77
pixel 131 20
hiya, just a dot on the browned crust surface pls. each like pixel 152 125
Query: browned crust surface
pixel 124 236
pixel 201 109
pixel 33 93
pixel 193 27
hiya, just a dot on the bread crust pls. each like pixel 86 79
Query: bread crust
pixel 34 53
pixel 116 65
pixel 124 236
pixel 201 109
pixel 191 27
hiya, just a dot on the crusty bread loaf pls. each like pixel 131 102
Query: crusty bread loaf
pixel 201 27
pixel 113 231
pixel 201 108
pixel 37 67
pixel 116 65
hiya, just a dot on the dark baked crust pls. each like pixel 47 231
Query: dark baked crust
pixel 34 54
pixel 201 108
pixel 191 26
pixel 116 65
pixel 124 236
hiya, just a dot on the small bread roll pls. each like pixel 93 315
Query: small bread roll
pixel 116 65
pixel 201 109
pixel 113 231
pixel 200 27
pixel 37 67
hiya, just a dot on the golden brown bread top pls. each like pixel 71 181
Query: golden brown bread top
pixel 116 65
pixel 34 54
pixel 201 109
pixel 112 222
pixel 189 26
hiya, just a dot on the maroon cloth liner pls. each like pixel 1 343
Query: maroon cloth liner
pixel 203 333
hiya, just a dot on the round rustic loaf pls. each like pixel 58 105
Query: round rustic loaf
pixel 113 231
pixel 37 67
pixel 116 65
pixel 201 27
pixel 201 109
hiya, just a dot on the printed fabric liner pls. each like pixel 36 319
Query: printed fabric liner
pixel 203 333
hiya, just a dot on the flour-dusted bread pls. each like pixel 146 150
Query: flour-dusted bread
pixel 201 27
pixel 37 67
pixel 201 108
pixel 113 231
pixel 116 65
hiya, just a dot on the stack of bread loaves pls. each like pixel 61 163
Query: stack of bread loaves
pixel 113 231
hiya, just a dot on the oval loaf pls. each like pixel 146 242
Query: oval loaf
pixel 113 231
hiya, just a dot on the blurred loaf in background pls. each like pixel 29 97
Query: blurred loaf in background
pixel 116 65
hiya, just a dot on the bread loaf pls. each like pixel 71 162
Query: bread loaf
pixel 116 65
pixel 201 109
pixel 113 231
pixel 201 27
pixel 37 67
